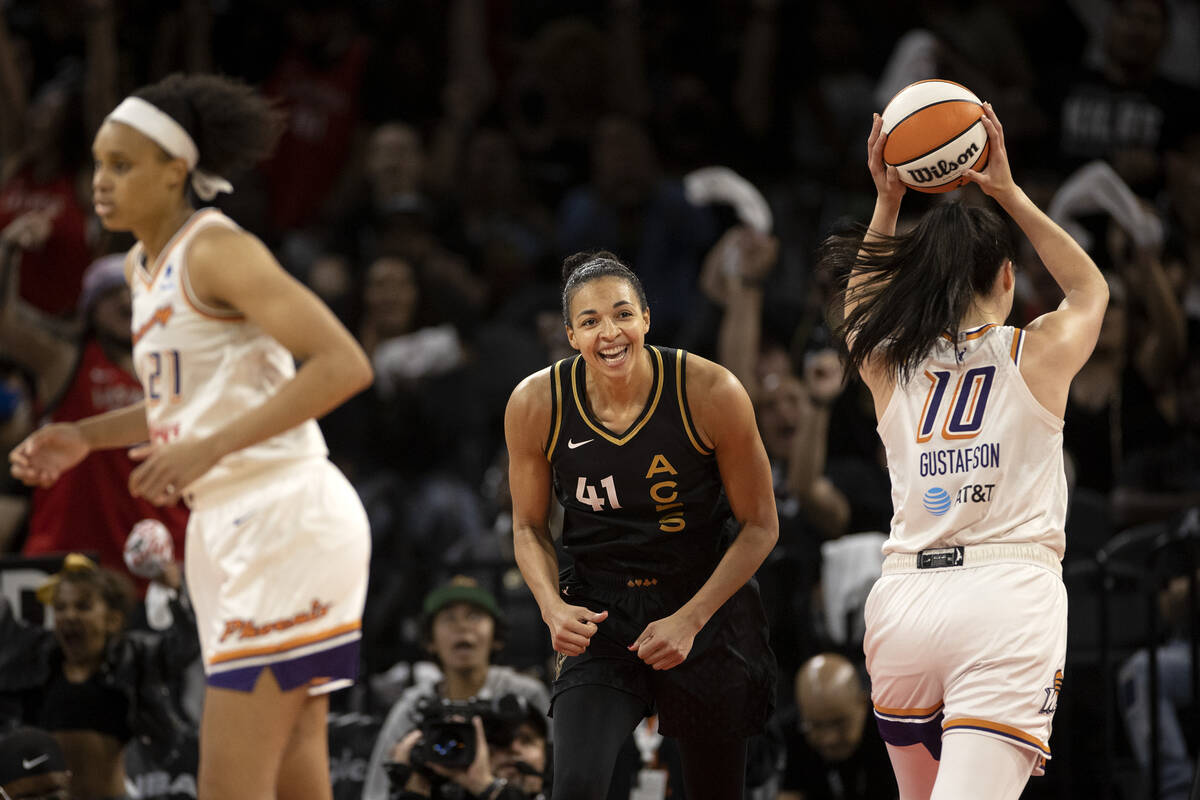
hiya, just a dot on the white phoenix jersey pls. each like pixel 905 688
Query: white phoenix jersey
pixel 973 457
pixel 201 367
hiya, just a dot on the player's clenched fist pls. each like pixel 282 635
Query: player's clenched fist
pixel 572 627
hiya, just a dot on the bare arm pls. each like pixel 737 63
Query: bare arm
pixel 741 261
pixel 48 351
pixel 12 99
pixel 752 92
pixel 1165 346
pixel 526 424
pixel 333 367
pixel 628 89
pixel 1059 342
pixel 100 81
pixel 822 503
pixel 725 419
pixel 468 90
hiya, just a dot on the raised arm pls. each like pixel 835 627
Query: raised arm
pixel 737 267
pixel 332 365
pixel 1059 342
pixel 526 427
pixel 46 349
pixel 12 99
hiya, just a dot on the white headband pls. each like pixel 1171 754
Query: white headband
pixel 170 136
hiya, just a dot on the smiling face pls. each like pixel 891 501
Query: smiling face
pixel 463 637
pixel 83 621
pixel 608 324
pixel 132 178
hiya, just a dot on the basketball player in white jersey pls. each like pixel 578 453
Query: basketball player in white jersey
pixel 277 542
pixel 966 629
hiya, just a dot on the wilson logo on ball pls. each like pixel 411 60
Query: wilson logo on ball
pixel 935 131
pixel 942 168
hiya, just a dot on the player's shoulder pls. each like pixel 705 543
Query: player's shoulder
pixel 218 236
pixel 704 376
pixel 531 396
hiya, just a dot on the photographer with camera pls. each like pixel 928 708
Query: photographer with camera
pixel 461 626
pixel 500 754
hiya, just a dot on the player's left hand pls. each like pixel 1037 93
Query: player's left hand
pixel 167 468
pixel 666 642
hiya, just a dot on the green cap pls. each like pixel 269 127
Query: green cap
pixel 461 589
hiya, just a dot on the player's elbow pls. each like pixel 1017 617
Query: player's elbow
pixel 766 533
pixel 355 372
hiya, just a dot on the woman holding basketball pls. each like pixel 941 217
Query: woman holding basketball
pixel 277 540
pixel 668 511
pixel 966 628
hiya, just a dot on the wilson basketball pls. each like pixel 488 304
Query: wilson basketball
pixel 935 131
pixel 148 548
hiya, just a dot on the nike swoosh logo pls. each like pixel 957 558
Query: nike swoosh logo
pixel 572 445
pixel 33 762
pixel 244 517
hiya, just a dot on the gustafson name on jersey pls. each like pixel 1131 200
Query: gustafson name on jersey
pixel 958 460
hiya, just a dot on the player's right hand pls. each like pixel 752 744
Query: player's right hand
pixel 47 453
pixel 572 627
pixel 888 185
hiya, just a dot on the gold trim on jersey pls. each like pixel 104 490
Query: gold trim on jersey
pixel 647 412
pixel 693 436
pixel 556 393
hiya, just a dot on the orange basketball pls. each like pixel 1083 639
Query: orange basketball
pixel 934 131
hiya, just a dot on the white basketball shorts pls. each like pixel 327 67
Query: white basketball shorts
pixel 277 571
pixel 973 641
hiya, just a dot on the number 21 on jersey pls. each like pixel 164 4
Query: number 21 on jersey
pixel 163 378
pixel 964 413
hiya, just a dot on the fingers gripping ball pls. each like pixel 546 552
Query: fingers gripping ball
pixel 148 549
pixel 935 132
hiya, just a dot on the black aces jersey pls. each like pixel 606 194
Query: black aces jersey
pixel 644 504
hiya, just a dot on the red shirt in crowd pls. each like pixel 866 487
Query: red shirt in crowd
pixel 50 275
pixel 90 507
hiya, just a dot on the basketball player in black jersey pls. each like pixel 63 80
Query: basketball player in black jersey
pixel 666 488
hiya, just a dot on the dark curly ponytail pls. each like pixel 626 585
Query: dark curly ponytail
pixel 582 268
pixel 232 125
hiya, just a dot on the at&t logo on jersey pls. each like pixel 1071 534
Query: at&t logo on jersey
pixel 936 501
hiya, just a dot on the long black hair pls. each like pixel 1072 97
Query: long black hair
pixel 916 285
pixel 232 125
pixel 585 267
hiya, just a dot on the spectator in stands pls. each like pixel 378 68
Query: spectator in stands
pixel 1174 663
pixel 831 751
pixel 90 682
pixel 78 375
pixel 462 626
pixel 510 762
pixel 1123 111
pixel 43 139
pixel 32 766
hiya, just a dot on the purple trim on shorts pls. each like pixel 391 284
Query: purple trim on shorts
pixel 336 663
pixel 903 734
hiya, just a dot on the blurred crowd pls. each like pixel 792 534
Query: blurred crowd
pixel 440 160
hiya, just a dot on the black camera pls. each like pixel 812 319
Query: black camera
pixel 448 736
